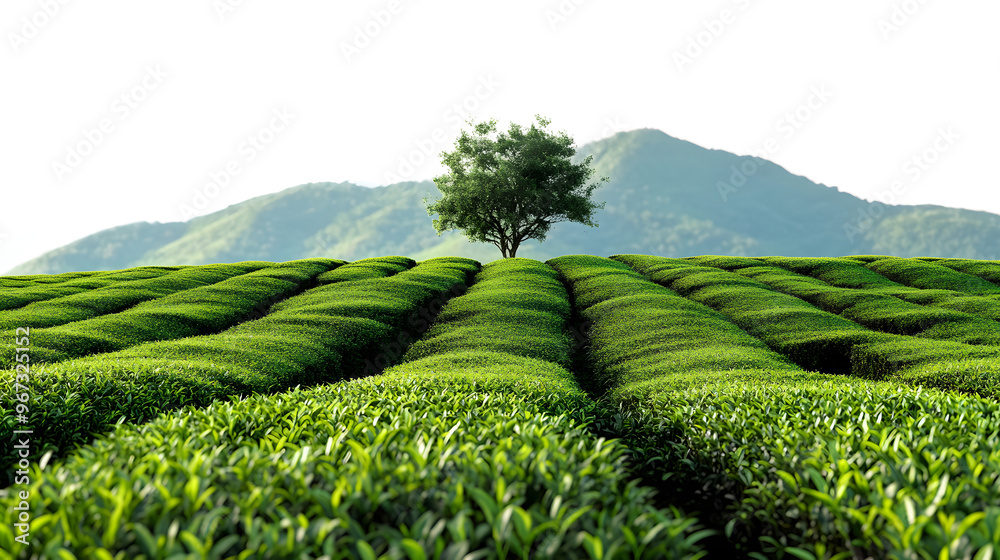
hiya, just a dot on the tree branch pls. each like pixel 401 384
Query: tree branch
pixel 533 228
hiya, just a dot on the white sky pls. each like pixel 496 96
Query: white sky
pixel 198 81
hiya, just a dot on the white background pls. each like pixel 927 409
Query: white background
pixel 368 87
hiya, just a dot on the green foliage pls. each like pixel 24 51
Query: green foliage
pixel 228 296
pixel 41 291
pixel 517 306
pixel 393 465
pixel 724 262
pixel 313 338
pixel 480 440
pixel 454 453
pixel 840 272
pixel 895 356
pixel 881 311
pixel 114 297
pixel 36 280
pixel 513 188
pixel 363 269
pixel 834 468
pixel 812 338
pixel 640 331
pixel 797 464
pixel 821 341
pixel 847 273
pixel 926 275
pixel 987 270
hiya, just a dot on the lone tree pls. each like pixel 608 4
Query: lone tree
pixel 514 187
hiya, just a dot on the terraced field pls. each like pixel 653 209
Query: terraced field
pixel 586 407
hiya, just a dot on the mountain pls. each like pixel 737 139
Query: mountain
pixel 666 197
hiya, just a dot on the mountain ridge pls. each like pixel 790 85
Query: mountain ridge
pixel 667 196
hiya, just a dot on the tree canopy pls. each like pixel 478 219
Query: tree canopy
pixel 512 187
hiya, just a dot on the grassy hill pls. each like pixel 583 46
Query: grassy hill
pixel 664 198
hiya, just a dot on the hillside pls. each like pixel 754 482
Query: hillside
pixel 664 198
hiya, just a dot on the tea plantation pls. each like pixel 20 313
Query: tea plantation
pixel 585 407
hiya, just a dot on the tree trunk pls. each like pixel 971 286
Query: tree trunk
pixel 504 244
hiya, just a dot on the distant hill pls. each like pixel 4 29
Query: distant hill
pixel 666 197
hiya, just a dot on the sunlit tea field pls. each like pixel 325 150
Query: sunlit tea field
pixel 583 407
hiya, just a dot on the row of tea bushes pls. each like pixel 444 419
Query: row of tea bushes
pixel 460 453
pixel 821 341
pixel 848 273
pixel 114 298
pixel 13 298
pixel 235 296
pixel 317 336
pixel 458 463
pixel 941 287
pixel 802 465
pixel 364 269
pixel 931 276
pixel 880 311
pixel 814 339
pixel 37 280
pixel 634 324
pixel 504 345
pixel 942 365
pixel 987 270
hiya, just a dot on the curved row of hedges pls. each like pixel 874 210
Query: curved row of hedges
pixel 987 270
pixel 634 323
pixel 318 336
pixel 847 273
pixel 41 291
pixel 402 466
pixel 457 454
pixel 821 341
pixel 114 297
pixel 877 271
pixel 506 340
pixel 363 269
pixel 930 276
pixel 880 311
pixel 210 308
pixel 37 280
pixel 803 465
pixel 814 339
